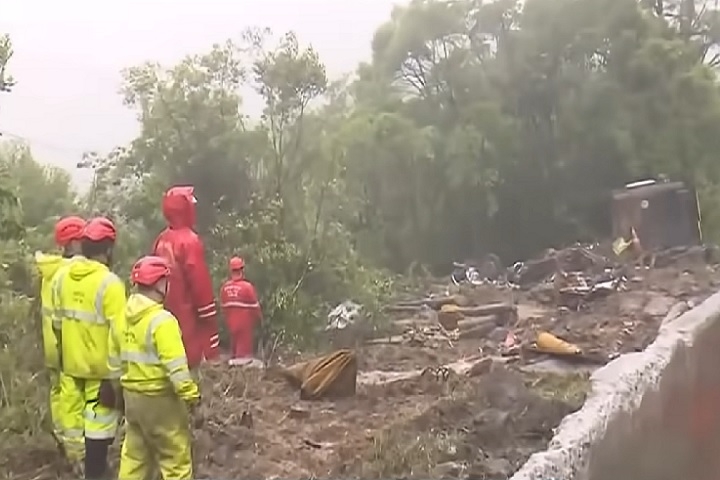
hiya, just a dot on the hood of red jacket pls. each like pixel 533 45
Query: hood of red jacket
pixel 178 207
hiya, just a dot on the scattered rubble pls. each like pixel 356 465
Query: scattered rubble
pixel 470 381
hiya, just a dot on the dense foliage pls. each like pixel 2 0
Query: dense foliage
pixel 476 127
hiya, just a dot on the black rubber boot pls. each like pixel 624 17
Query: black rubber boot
pixel 96 459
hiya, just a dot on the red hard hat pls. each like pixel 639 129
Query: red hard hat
pixel 99 229
pixel 148 270
pixel 237 263
pixel 68 229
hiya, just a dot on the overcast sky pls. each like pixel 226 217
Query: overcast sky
pixel 68 55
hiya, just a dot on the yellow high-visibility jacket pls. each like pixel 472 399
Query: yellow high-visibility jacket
pixel 48 265
pixel 89 305
pixel 152 352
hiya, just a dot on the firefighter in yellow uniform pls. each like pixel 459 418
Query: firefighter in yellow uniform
pixel 90 301
pixel 67 237
pixel 158 388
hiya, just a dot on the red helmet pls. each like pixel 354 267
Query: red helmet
pixel 99 229
pixel 148 270
pixel 237 263
pixel 68 229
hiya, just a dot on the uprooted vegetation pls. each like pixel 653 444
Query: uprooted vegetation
pixel 425 407
pixel 431 408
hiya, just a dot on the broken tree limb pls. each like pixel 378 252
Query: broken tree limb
pixel 435 303
pixel 468 366
pixel 473 322
pixel 391 340
pixel 403 309
pixel 413 322
pixel 489 310
pixel 478 331
pixel 473 311
pixel 473 327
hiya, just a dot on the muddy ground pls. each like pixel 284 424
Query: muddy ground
pixel 482 426
pixel 406 428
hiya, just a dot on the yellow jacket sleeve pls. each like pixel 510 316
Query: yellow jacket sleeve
pixel 55 310
pixel 42 308
pixel 114 303
pixel 170 349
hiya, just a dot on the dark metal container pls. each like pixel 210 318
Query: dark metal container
pixel 664 215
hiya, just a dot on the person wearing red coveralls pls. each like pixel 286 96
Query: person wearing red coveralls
pixel 242 311
pixel 190 295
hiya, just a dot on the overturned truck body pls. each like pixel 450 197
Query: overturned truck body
pixel 663 215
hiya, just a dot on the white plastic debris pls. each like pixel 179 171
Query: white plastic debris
pixel 345 314
pixel 463 274
pixel 245 362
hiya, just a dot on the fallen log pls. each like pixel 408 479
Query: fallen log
pixel 411 303
pixel 473 327
pixel 413 322
pixel 391 340
pixel 478 331
pixel 470 366
pixel 488 310
pixel 471 311
pixel 472 322
pixel 435 303
pixel 404 309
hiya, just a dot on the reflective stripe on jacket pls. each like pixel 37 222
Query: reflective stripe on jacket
pixel 240 304
pixel 152 353
pixel 89 307
pixel 239 293
pixel 48 266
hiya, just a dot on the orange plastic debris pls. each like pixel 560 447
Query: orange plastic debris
pixel 549 343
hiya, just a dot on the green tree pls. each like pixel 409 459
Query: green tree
pixel 6 53
pixel 476 127
pixel 44 192
pixel 534 114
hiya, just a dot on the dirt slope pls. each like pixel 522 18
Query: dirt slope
pixel 437 425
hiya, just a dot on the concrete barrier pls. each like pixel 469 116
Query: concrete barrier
pixel 651 415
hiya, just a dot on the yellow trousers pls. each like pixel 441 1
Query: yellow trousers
pixel 157 435
pixel 83 416
pixel 56 404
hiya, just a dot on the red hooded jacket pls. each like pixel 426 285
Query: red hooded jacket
pixel 190 292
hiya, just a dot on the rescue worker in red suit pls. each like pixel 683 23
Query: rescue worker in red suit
pixel 190 296
pixel 241 308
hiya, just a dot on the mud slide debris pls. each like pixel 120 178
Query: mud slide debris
pixel 459 388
